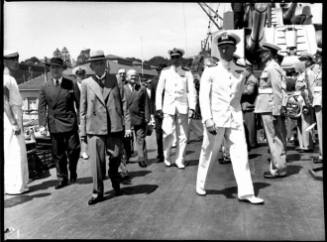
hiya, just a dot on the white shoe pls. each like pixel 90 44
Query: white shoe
pixel 167 163
pixel 252 199
pixel 200 191
pixel 180 165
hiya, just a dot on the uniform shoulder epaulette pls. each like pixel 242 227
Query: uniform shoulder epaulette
pixel 213 64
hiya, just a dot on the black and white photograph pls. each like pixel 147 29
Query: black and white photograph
pixel 163 121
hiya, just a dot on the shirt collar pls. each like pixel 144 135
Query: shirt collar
pixel 226 63
pixel 100 78
pixel 54 80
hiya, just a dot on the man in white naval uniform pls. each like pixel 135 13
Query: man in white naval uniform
pixel 221 89
pixel 176 107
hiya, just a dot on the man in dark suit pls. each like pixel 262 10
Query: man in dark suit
pixel 157 118
pixel 139 111
pixel 58 97
pixel 102 114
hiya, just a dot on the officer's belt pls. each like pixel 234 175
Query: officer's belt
pixel 317 89
pixel 265 90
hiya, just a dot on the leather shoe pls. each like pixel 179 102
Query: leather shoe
pixel 317 160
pixel 118 192
pixel 73 178
pixel 252 199
pixel 160 159
pixel 142 164
pixel 268 175
pixel 94 200
pixel 61 184
pixel 200 191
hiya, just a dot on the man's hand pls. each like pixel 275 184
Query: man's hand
pixel 16 130
pixel 128 133
pixel 191 113
pixel 283 111
pixel 42 130
pixel 211 127
pixel 305 110
pixel 159 113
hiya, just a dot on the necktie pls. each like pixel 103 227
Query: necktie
pixel 100 82
pixel 57 82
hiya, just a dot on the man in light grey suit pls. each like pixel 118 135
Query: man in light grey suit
pixel 102 115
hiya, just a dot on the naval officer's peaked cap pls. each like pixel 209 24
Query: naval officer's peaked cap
pixel 306 56
pixel 10 54
pixel 176 52
pixel 270 46
pixel 227 38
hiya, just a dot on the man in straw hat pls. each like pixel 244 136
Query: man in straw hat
pixel 102 117
pixel 15 158
pixel 220 93
pixel 57 101
pixel 176 106
pixel 270 105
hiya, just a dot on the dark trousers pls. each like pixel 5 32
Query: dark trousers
pixel 140 142
pixel 159 137
pixel 98 147
pixel 250 129
pixel 65 145
pixel 128 146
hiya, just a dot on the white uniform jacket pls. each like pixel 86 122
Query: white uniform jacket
pixel 221 88
pixel 316 85
pixel 175 91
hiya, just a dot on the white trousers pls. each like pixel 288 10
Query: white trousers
pixel 175 126
pixel 15 157
pixel 235 139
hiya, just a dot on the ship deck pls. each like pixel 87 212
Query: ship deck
pixel 160 203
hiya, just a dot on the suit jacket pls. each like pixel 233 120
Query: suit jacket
pixel 102 111
pixel 153 96
pixel 59 102
pixel 272 101
pixel 221 88
pixel 138 105
pixel 179 91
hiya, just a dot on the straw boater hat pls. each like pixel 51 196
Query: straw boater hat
pixel 176 52
pixel 97 55
pixel 79 70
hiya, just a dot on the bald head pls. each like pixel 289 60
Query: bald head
pixel 132 76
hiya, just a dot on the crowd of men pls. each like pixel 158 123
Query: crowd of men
pixel 104 115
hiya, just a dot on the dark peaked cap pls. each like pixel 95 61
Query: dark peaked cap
pixel 56 61
pixel 227 38
pixel 176 52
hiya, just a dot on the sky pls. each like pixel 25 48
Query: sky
pixel 127 29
